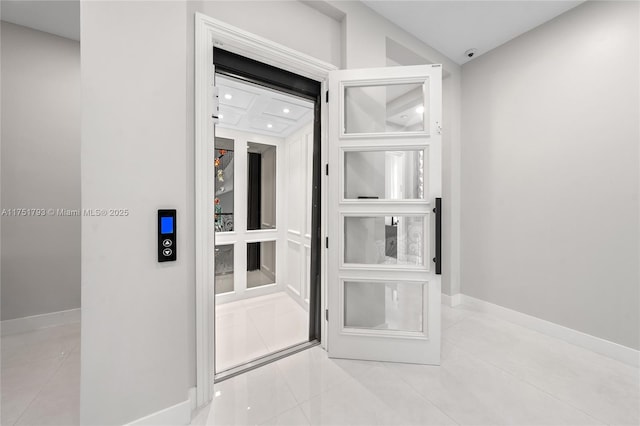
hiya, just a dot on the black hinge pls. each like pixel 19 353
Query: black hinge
pixel 327 96
pixel 326 169
pixel 326 314
pixel 326 242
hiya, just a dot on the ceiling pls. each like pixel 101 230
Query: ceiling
pixel 452 27
pixel 249 107
pixel 61 18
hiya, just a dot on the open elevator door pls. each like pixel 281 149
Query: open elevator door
pixel 384 177
pixel 248 72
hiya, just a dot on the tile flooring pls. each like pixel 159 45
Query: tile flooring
pixel 254 327
pixel 41 377
pixel 493 373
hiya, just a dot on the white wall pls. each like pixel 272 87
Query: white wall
pixel 290 23
pixel 550 172
pixel 40 170
pixel 137 343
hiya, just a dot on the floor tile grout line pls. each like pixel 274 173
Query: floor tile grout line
pixel 64 358
pixel 534 331
pixel 330 387
pixel 281 314
pixel 250 317
pixel 262 338
pixel 303 413
pixel 421 396
pixel 286 382
pixel 556 397
pixel 253 321
pixel 455 323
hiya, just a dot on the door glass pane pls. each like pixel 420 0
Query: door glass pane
pixel 223 203
pixel 223 268
pixel 384 240
pixel 385 108
pixel 261 186
pixel 261 263
pixel 391 175
pixel 383 305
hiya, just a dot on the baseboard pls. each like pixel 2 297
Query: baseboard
pixel 453 300
pixel 36 322
pixel 176 415
pixel 596 344
pixel 193 399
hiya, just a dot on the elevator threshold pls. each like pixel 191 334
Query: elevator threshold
pixel 263 360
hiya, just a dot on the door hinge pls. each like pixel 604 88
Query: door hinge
pixel 326 242
pixel 326 169
pixel 215 93
pixel 327 96
pixel 326 315
pixel 438 127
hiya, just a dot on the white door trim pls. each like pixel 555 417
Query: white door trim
pixel 210 32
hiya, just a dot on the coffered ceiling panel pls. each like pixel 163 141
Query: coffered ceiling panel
pixel 253 108
pixel 286 110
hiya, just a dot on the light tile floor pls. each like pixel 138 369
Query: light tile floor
pixel 493 373
pixel 250 328
pixel 41 377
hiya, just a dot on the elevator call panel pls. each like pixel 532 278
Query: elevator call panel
pixel 167 249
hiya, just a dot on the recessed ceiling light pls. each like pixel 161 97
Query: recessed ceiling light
pixel 286 110
pixel 420 109
pixel 228 96
pixel 404 116
pixel 269 125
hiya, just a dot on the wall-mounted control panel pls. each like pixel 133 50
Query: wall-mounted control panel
pixel 167 249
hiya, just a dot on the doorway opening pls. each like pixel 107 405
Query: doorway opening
pixel 266 214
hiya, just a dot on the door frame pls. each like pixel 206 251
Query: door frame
pixel 211 32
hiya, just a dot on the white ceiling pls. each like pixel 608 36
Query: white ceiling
pixel 452 27
pixel 61 18
pixel 252 108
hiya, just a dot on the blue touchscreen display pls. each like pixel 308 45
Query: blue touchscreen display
pixel 166 225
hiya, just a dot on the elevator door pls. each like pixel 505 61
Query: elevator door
pixel 384 177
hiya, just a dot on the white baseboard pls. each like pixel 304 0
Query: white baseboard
pixel 176 415
pixel 35 322
pixel 453 300
pixel 193 399
pixel 596 344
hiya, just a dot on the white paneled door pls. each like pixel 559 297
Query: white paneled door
pixel 384 177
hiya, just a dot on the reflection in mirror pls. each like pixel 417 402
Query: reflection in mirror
pixel 261 186
pixel 383 305
pixel 223 176
pixel 223 268
pixel 391 175
pixel 386 108
pixel 261 263
pixel 384 240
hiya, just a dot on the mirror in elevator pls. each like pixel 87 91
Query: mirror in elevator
pixel 261 263
pixel 261 186
pixel 223 175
